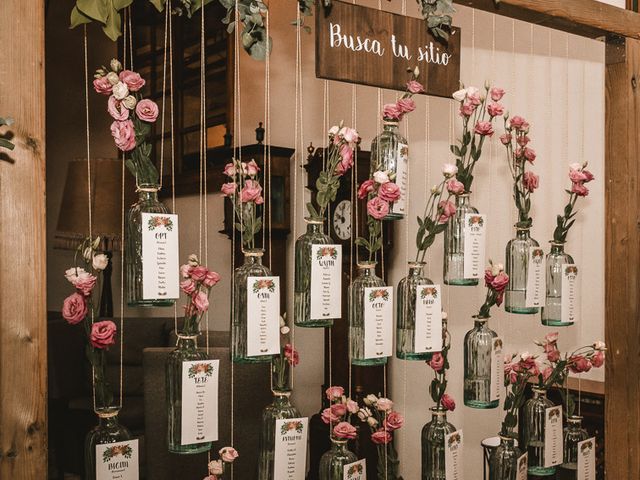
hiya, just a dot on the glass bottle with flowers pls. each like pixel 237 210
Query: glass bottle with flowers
pixel 480 347
pixel 434 432
pixel 133 117
pixel 197 282
pixel 80 308
pixel 516 140
pixel 437 212
pixel 281 407
pixel 557 258
pixel 478 114
pixel 339 159
pixel 390 150
pixel 227 456
pixel 245 192
pixel 338 417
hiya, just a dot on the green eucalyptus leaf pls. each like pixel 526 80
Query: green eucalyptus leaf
pixel 259 49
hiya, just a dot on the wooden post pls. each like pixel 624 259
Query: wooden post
pixel 622 261
pixel 23 328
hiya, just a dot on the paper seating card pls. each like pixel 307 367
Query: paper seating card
pixel 453 456
pixel 587 459
pixel 475 237
pixel 290 455
pixel 497 369
pixel 160 267
pixel 428 329
pixel 378 322
pixel 536 278
pixel 402 179
pixel 326 282
pixel 570 293
pixel 199 401
pixel 355 471
pixel 553 437
pixel 263 316
pixel 117 461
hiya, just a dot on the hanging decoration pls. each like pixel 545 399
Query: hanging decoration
pixel 4 142
pixel 438 15
pixel 227 456
pixel 251 14
pixel 561 307
pixel 338 417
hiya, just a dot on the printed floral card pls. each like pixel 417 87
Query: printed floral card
pixel 199 401
pixel 536 278
pixel 428 331
pixel 160 263
pixel 587 459
pixel 522 466
pixel 263 316
pixel 475 237
pixel 453 456
pixel 402 179
pixel 570 293
pixel 117 461
pixel 378 322
pixel 553 437
pixel 290 454
pixel 497 368
pixel 355 471
pixel 326 282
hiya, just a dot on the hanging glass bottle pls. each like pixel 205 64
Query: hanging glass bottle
pixel 366 278
pixel 107 431
pixel 252 267
pixel 552 310
pixel 433 435
pixel 332 462
pixel 503 462
pixel 573 434
pixel 147 203
pixel 304 244
pixel 517 267
pixel 186 351
pixel 533 431
pixel 454 244
pixel 406 313
pixel 478 355
pixel 390 154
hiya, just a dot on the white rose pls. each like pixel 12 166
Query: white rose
pixel 373 423
pixel 444 315
pixel 193 260
pixel 113 78
pixel 449 170
pixel 73 273
pixel 115 65
pixel 120 90
pixel 215 467
pixel 599 346
pixel 525 356
pixel 575 166
pixel 364 413
pixel 472 91
pixel 460 95
pixel 284 330
pixel 370 399
pixel 129 102
pixel 381 177
pixel 334 130
pixel 100 261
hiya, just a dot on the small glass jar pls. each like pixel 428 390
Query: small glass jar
pixel 478 355
pixel 406 313
pixel 517 267
pixel 332 462
pixel 503 462
pixel 433 449
pixel 552 310
pixel 573 434
pixel 534 431
pixel 107 431
pixel 252 267
pixel 454 244
pixel 366 278
pixel 302 302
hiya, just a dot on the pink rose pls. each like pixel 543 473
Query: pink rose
pixel 579 364
pixel 389 192
pixel 589 176
pixel 228 189
pixel 334 393
pixel 448 210
pixel 381 437
pixel 377 208
pixel 530 181
pixel 345 431
pixel 74 308
pixel 447 402
pixel 505 138
pixel 455 187
pixel 251 192
pixel 519 123
pixel 132 80
pixel 199 273
pixel 406 105
pixel 523 140
pixel 384 404
pixel 553 354
pixel 147 110
pixel 185 271
pixel 84 283
pixel 201 302
pixel 529 154
pixel 499 282
pixel 228 454
pixel 484 128
pixel 366 188
pixel 414 87
pixel 393 421
pixel 495 109
pixel 103 334
pixel 391 111
pixel 352 407
pixel 473 96
pixel 338 409
pixel 579 189
pixel 124 135
pixel 114 107
pixel 437 361
pixel 576 176
pixel 211 279
pixel 229 170
pixel 328 416
pixel 347 160
pixel 251 168
pixel 546 373
pixel 496 94
pixel 350 135
pixel 551 337
pixel 598 359
pixel 467 109
pixel 103 85
pixel 188 286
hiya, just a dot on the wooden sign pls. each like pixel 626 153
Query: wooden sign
pixel 362 45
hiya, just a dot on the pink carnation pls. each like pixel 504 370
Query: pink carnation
pixel 496 94
pixel 437 361
pixel 455 187
pixel 381 437
pixel 448 210
pixel 530 181
pixel 519 123
pixel 201 302
pixel 579 189
pixel 251 192
pixel 393 421
pixel 495 109
pixel 228 189
pixel 211 279
pixel 366 188
pixel 345 431
pixel 334 393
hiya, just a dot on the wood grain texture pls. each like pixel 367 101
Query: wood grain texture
pixel 589 18
pixel 622 261
pixel 23 338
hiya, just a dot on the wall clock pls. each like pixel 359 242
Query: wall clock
pixel 341 221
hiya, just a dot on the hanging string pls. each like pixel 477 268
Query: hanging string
pixel 164 91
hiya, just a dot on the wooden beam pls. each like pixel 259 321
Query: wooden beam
pixel 622 260
pixel 588 18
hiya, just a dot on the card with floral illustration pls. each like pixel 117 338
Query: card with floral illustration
pixel 263 316
pixel 536 278
pixel 428 331
pixel 355 471
pixel 378 322
pixel 475 238
pixel 117 461
pixel 199 401
pixel 587 459
pixel 160 262
pixel 402 179
pixel 553 436
pixel 497 368
pixel 454 456
pixel 326 282
pixel 290 454
pixel 522 466
pixel 570 309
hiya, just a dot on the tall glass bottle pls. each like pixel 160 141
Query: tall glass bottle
pixel 517 267
pixel 454 244
pixel 366 278
pixel 147 203
pixel 107 431
pixel 186 351
pixel 332 462
pixel 433 435
pixel 406 313
pixel 478 355
pixel 503 462
pixel 302 302
pixel 552 310
pixel 252 267
pixel 573 434
pixel 533 431
pixel 390 153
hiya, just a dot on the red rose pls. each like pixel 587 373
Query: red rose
pixel 447 402
pixel 499 282
pixel 437 361
pixel 103 334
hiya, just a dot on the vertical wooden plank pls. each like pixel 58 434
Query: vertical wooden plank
pixel 622 262
pixel 23 355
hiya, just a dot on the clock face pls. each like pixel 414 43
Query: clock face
pixel 342 220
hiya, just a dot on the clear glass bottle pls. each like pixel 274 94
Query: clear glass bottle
pixel 186 351
pixel 503 462
pixel 552 310
pixel 279 409
pixel 147 203
pixel 252 267
pixel 107 431
pixel 332 462
pixel 533 431
pixel 302 302
pixel 390 153
pixel 517 267
pixel 433 435
pixel 366 278
pixel 406 312
pixel 454 244
pixel 478 355
pixel 573 434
